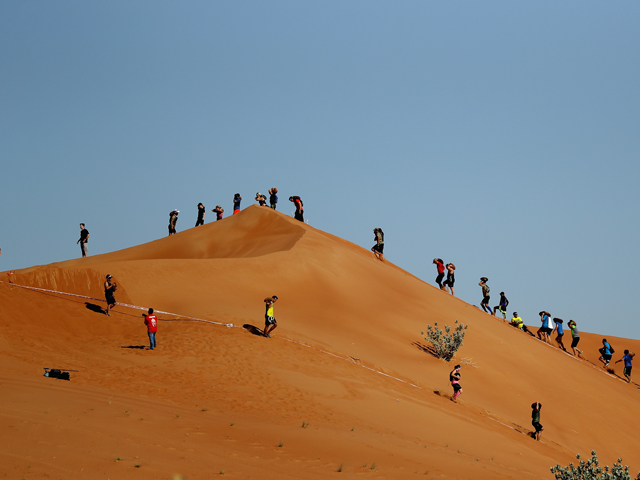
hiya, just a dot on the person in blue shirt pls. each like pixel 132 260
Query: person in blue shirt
pixel 236 203
pixel 273 197
pixel 560 332
pixel 606 352
pixel 628 356
pixel 544 331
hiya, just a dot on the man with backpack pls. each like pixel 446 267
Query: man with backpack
pixel 299 210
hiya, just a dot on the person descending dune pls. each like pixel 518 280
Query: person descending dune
pixel 535 419
pixel 454 378
pixel 270 323
pixel 110 288
pixel 378 248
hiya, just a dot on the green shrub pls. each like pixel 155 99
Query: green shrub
pixel 445 343
pixel 591 470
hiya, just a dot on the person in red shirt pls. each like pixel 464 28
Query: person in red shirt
pixel 299 215
pixel 151 321
pixel 440 265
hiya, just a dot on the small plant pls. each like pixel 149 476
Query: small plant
pixel 591 470
pixel 221 472
pixel 204 409
pixel 341 467
pixel 445 343
pixel 137 465
pixel 305 424
pixel 119 459
pixel 232 424
pixel 373 466
pixel 364 465
pixel 353 428
pixel 177 415
pixel 280 444
pixel 127 412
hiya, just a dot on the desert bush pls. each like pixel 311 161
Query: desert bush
pixel 445 343
pixel 591 470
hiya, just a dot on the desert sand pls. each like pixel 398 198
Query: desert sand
pixel 343 388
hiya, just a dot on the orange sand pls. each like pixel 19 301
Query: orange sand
pixel 213 399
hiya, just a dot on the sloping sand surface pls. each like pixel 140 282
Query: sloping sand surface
pixel 344 381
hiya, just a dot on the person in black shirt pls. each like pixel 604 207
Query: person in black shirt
pixel 200 215
pixel 84 239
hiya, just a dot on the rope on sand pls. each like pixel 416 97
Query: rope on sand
pixel 194 319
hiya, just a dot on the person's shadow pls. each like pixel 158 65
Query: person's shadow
pixel 139 347
pixel 253 329
pixel 94 308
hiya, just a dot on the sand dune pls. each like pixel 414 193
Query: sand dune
pixel 345 360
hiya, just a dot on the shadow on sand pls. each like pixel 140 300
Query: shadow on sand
pixel 94 308
pixel 253 329
pixel 139 347
pixel 425 348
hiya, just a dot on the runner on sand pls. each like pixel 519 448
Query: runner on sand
pixel 440 266
pixel 606 352
pixel 454 378
pixel 273 197
pixel 451 278
pixel 219 211
pixel 535 419
pixel 575 335
pixel 299 215
pixel 485 295
pixel 270 323
pixel 560 331
pixel 84 239
pixel 151 321
pixel 236 203
pixel 544 330
pixel 173 219
pixel 201 211
pixel 628 356
pixel 502 307
pixel 379 246
pixel 109 289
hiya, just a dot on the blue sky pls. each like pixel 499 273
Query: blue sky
pixel 500 136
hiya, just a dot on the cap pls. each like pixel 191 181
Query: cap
pixel 108 276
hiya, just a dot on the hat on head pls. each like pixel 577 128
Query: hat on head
pixel 108 276
pixel 484 279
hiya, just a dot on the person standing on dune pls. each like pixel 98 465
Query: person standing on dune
pixel 219 211
pixel 173 219
pixel 110 288
pixel 270 323
pixel 485 295
pixel 151 321
pixel 378 248
pixel 454 378
pixel 236 203
pixel 439 263
pixel 451 278
pixel 502 307
pixel 201 212
pixel 84 239
pixel 535 419
pixel 273 197
pixel 299 215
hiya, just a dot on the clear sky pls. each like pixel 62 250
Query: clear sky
pixel 501 136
